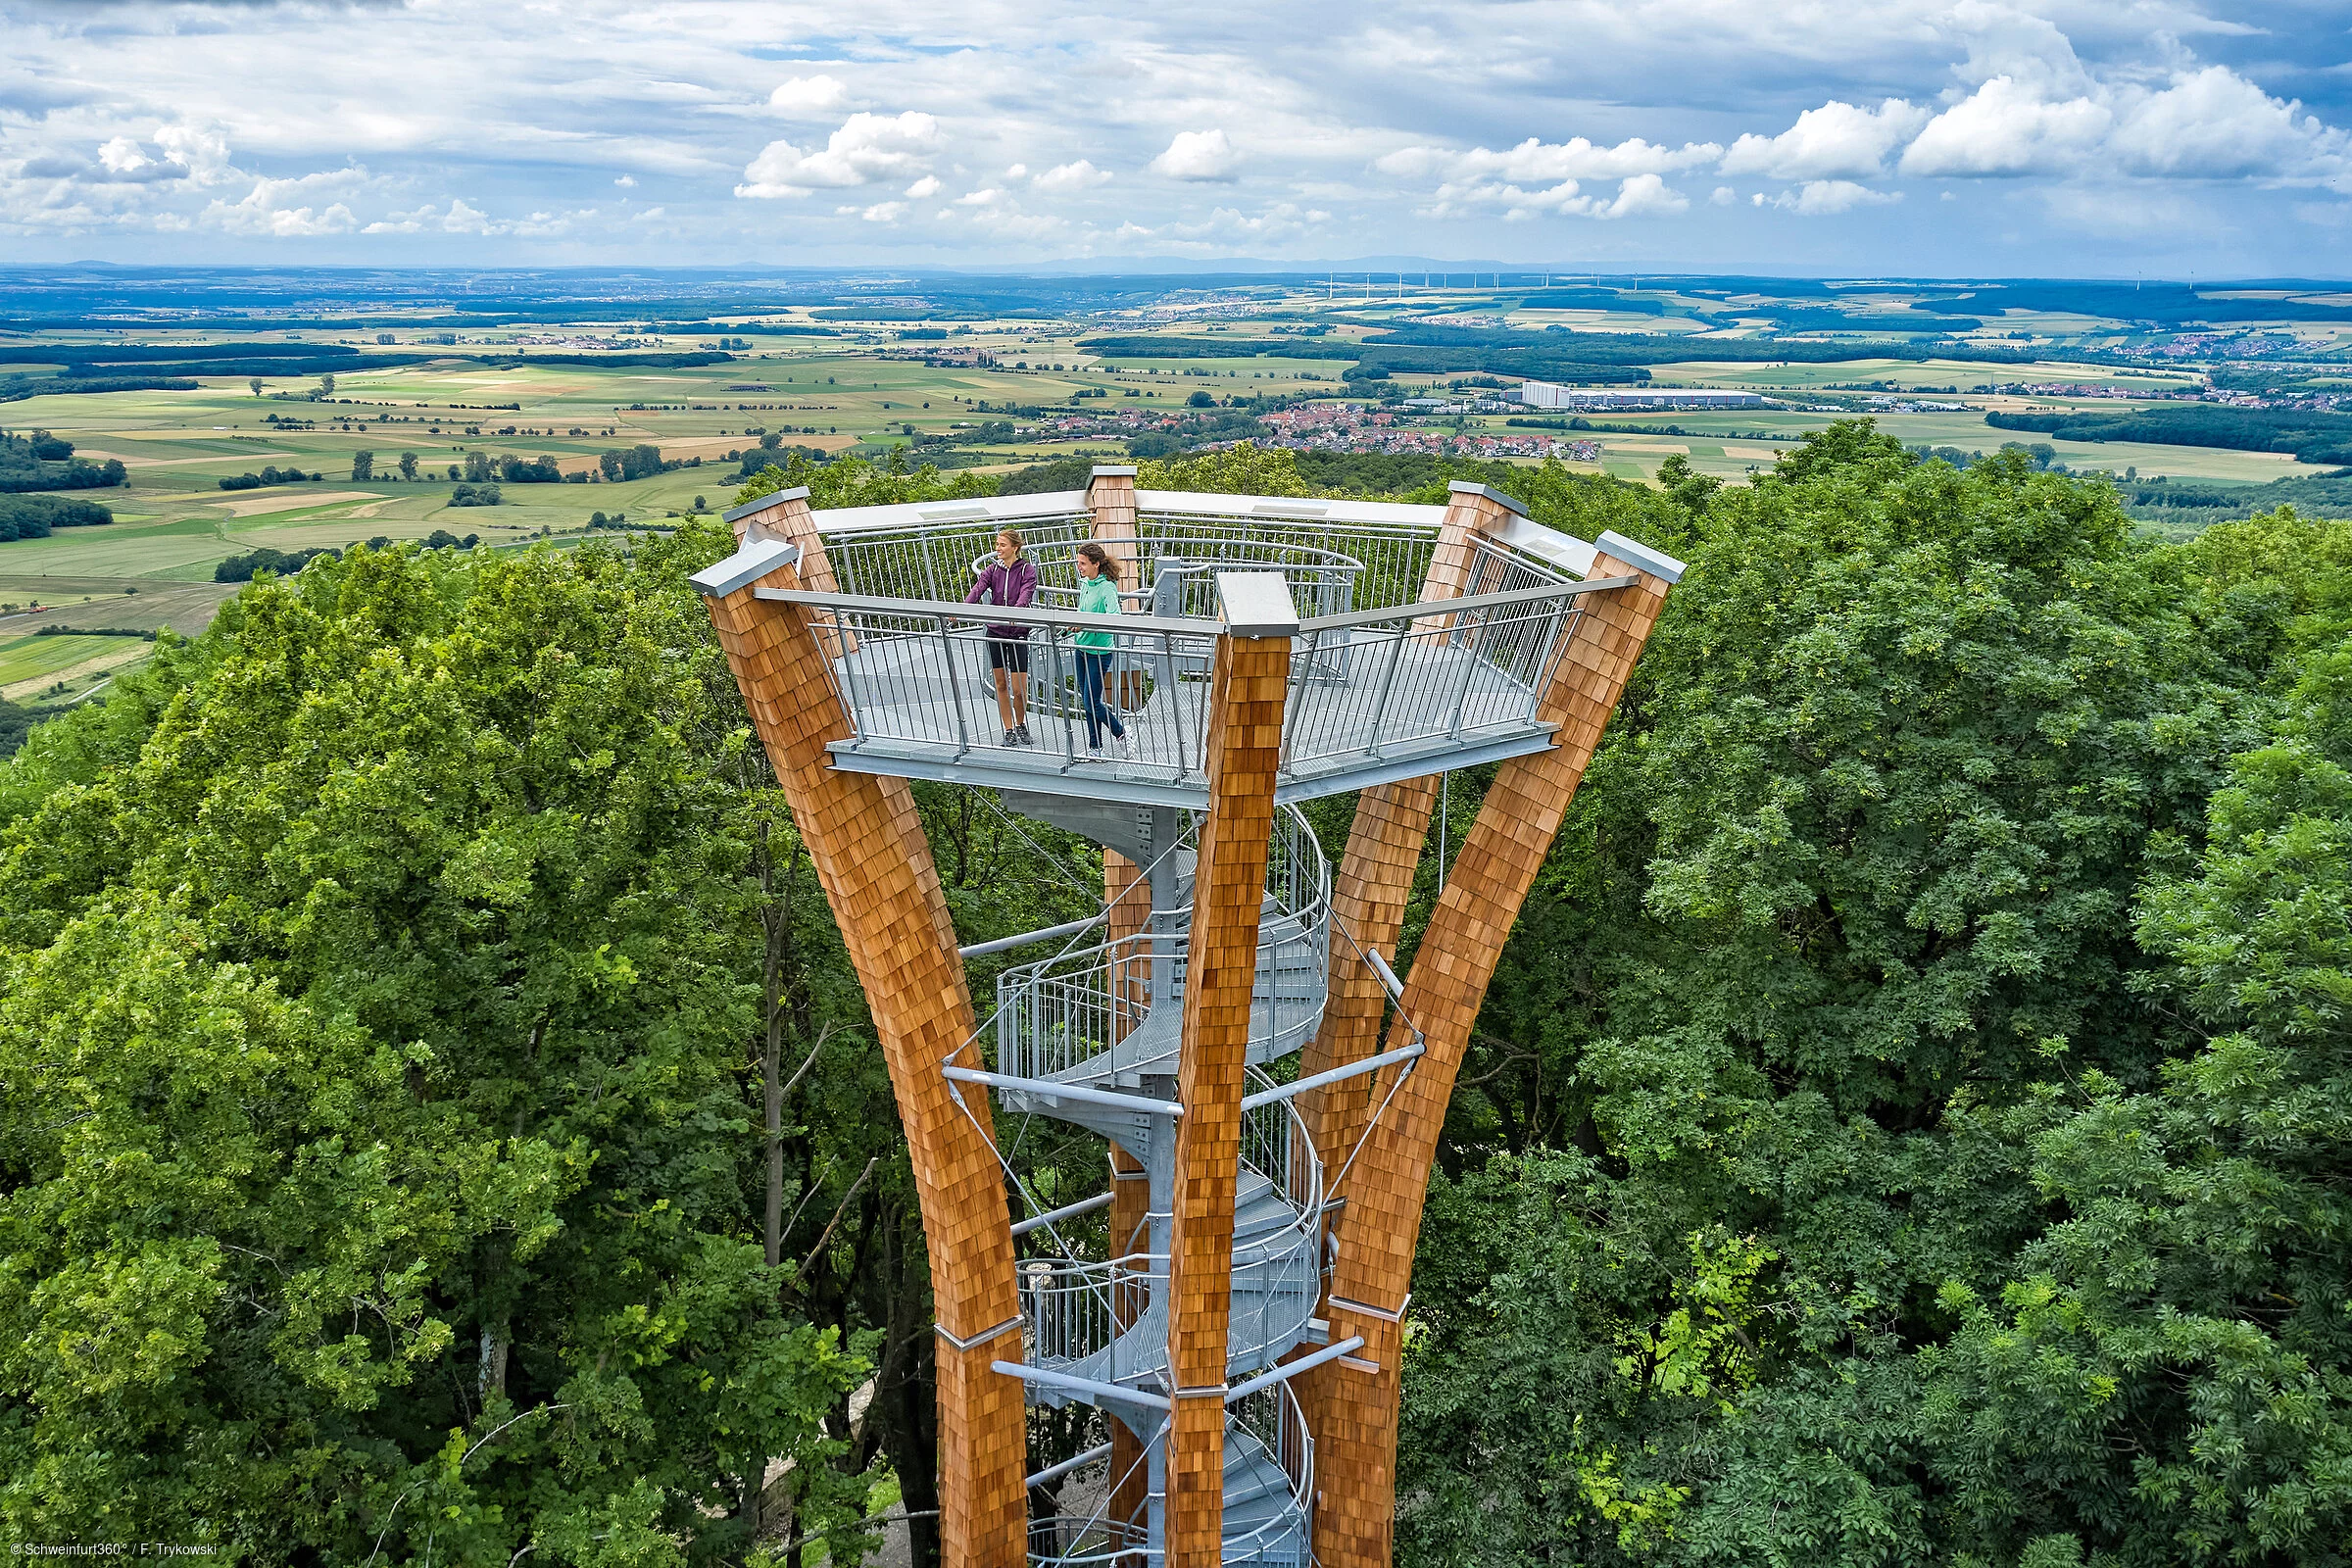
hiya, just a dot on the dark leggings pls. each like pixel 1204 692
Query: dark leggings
pixel 1092 667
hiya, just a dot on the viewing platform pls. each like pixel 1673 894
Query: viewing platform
pixel 1384 683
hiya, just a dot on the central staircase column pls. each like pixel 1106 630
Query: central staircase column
pixel 1248 682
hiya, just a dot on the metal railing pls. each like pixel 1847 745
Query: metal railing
pixel 915 678
pixel 1445 671
pixel 1077 1309
pixel 1391 560
pixel 933 559
pixel 919 674
pixel 1073 1015
pixel 1172 574
pixel 1271 1426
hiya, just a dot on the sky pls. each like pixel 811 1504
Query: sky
pixel 2159 138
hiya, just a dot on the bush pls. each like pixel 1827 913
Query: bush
pixel 284 563
pixel 270 476
pixel 24 516
pixel 514 471
pixel 474 494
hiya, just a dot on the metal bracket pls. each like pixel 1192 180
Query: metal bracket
pixel 981 1338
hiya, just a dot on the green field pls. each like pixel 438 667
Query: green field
pixel 29 658
pixel 864 390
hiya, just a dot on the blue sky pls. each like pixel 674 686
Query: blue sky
pixel 1973 137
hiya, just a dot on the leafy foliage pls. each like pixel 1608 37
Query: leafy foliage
pixel 369 1054
pixel 1842 1170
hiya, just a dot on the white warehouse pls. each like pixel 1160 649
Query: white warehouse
pixel 1549 395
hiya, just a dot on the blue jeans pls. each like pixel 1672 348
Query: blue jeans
pixel 1091 668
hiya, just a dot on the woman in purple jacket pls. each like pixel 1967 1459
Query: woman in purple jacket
pixel 1009 580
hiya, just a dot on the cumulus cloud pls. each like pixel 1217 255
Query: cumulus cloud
pixel 1535 161
pixel 1818 198
pixel 201 150
pixel 2215 124
pixel 1838 140
pixel 1643 195
pixel 1637 196
pixel 2210 124
pixel 462 218
pixel 2007 127
pixel 928 185
pixel 1198 155
pixel 1224 227
pixel 865 149
pixel 884 212
pixel 627 180
pixel 1070 177
pixel 1546 179
pixel 809 96
pixel 270 208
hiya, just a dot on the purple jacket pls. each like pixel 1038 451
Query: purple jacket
pixel 1014 585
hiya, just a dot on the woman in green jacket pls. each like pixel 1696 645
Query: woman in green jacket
pixel 1097 595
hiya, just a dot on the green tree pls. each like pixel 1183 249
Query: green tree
pixel 325 388
pixel 256 384
pixel 362 465
pixel 1844 903
pixel 2167 1375
pixel 374 1143
pixel 407 464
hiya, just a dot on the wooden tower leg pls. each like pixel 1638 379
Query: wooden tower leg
pixel 1368 896
pixel 1356 1448
pixel 1129 895
pixel 867 845
pixel 1245 747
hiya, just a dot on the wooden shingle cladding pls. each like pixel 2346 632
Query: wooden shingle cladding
pixel 1248 679
pixel 1369 892
pixel 1128 894
pixel 867 845
pixel 1499 858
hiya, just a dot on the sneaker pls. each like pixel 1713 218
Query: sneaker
pixel 1124 748
pixel 1094 753
pixel 1012 737
pixel 1022 731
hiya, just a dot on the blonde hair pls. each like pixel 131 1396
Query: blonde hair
pixel 1013 534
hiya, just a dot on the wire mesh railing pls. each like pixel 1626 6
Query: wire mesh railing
pixel 1077 1015
pixel 1267 1432
pixel 1129 693
pixel 1413 678
pixel 934 560
pixel 1391 559
pixel 1098 1310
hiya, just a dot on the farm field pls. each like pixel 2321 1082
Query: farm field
pixel 863 388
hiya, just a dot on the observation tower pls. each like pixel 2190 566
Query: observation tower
pixel 1227 1315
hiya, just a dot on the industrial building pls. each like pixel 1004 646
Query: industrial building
pixel 1548 395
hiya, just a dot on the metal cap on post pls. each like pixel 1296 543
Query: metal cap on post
pixel 1466 487
pixel 766 503
pixel 1256 604
pixel 1656 562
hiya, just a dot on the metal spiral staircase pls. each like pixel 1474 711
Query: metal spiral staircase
pixel 1100 1020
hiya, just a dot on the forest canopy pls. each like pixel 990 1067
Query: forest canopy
pixel 1908 1125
